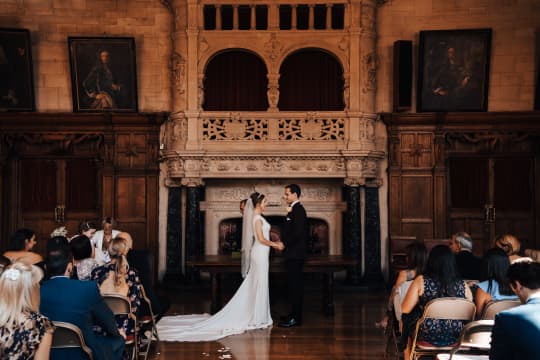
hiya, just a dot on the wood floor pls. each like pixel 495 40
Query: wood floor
pixel 350 334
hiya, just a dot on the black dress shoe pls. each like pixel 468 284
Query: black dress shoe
pixel 285 318
pixel 290 323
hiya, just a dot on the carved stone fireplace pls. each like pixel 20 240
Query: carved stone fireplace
pixel 213 159
pixel 322 200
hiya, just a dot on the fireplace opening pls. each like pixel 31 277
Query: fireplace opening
pixel 230 235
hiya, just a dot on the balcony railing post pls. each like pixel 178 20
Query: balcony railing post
pixel 328 23
pixel 311 24
pixel 235 16
pixel 253 19
pixel 218 17
pixel 293 17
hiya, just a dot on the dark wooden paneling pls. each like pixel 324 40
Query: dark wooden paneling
pixel 445 167
pixel 95 164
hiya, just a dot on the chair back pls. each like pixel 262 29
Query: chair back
pixel 397 250
pixel 68 336
pixel 449 308
pixel 492 308
pixel 476 335
pixel 118 304
pixel 147 323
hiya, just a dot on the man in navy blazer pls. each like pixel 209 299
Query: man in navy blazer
pixel 79 303
pixel 295 238
pixel 516 333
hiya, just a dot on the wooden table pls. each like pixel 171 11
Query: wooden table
pixel 325 264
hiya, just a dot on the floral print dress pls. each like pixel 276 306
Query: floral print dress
pixel 440 332
pixel 99 275
pixel 23 341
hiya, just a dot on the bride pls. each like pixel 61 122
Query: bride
pixel 249 308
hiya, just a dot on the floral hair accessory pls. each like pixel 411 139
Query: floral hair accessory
pixel 12 274
pixel 59 231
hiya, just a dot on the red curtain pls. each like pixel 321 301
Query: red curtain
pixel 235 80
pixel 311 80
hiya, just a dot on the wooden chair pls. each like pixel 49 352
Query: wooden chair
pixel 492 308
pixel 398 258
pixel 147 323
pixel 443 308
pixel 121 306
pixel 69 336
pixel 475 339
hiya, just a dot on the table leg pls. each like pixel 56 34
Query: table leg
pixel 328 293
pixel 215 304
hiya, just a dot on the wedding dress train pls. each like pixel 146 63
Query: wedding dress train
pixel 248 309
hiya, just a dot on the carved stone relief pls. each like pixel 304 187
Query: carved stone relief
pixel 273 48
pixel 178 69
pixel 371 64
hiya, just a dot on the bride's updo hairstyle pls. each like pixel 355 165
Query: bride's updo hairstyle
pixel 256 198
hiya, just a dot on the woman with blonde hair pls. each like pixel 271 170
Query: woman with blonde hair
pixel 117 277
pixel 511 246
pixel 24 333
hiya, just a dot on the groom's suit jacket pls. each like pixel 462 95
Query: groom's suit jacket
pixel 516 333
pixel 295 233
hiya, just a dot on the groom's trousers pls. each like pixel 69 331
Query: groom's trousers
pixel 295 278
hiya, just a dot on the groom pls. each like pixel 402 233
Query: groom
pixel 295 236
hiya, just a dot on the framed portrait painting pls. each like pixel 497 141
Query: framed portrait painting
pixel 103 74
pixel 453 70
pixel 16 76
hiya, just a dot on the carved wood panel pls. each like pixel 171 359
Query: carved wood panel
pixel 445 167
pixel 94 165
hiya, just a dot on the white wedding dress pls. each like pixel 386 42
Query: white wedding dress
pixel 248 309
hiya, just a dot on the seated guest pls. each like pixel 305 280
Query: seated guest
pixel 83 257
pixel 516 332
pixel 21 244
pixel 511 246
pixel 468 265
pixel 117 277
pixel 57 242
pixel 102 238
pixel 24 333
pixel 142 260
pixel 416 257
pixel 440 279
pixel 495 285
pixel 4 261
pixel 79 303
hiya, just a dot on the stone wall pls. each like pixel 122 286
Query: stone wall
pixel 513 24
pixel 51 22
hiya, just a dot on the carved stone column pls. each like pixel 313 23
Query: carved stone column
pixel 194 238
pixel 372 236
pixel 352 244
pixel 174 237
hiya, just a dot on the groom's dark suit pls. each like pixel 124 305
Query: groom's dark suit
pixel 295 237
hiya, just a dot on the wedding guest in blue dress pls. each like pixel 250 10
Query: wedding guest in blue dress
pixel 495 285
